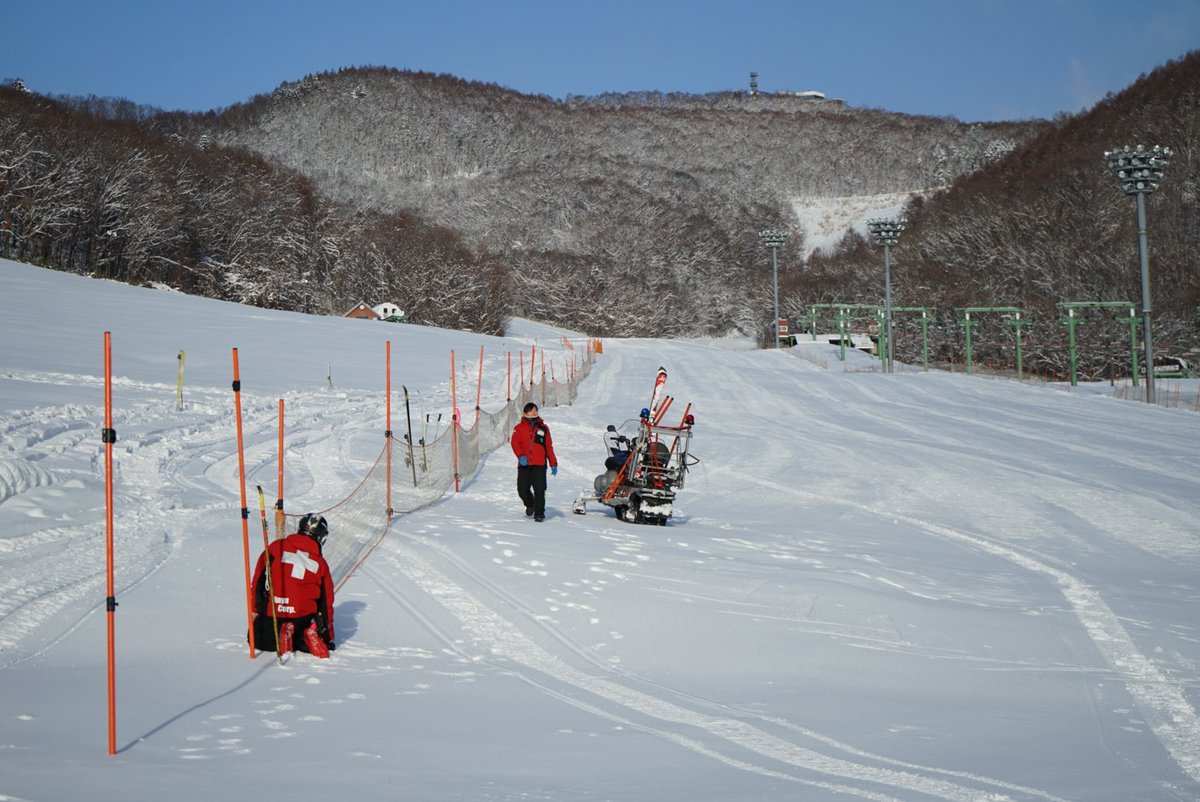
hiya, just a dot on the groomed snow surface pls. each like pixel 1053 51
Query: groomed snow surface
pixel 916 586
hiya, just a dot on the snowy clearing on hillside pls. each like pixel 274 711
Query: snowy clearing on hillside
pixel 825 221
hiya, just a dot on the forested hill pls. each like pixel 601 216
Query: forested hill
pixel 414 140
pixel 634 214
pixel 462 202
pixel 1045 225
pixel 630 214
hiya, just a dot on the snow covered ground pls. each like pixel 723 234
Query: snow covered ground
pixel 887 587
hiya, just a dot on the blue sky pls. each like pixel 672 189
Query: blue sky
pixel 970 59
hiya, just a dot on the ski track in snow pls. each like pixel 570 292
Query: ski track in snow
pixel 502 640
pixel 1169 714
pixel 1091 500
pixel 62 577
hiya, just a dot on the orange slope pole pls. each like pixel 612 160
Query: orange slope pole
pixel 683 424
pixel 508 379
pixel 387 433
pixel 237 402
pixel 479 389
pixel 612 488
pixel 662 409
pixel 454 422
pixel 683 421
pixel 279 519
pixel 109 436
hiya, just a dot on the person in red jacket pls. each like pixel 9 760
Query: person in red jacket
pixel 303 592
pixel 534 448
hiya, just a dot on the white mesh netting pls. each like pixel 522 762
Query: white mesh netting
pixel 421 475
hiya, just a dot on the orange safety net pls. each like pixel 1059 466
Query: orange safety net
pixel 359 522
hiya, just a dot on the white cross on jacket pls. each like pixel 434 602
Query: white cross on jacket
pixel 300 562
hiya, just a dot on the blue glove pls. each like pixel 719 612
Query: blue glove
pixel 554 470
pixel 523 460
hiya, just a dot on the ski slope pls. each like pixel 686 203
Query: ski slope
pixel 903 587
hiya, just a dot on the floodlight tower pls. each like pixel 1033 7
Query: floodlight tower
pixel 1139 172
pixel 886 232
pixel 774 240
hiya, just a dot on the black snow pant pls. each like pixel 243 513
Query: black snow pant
pixel 531 487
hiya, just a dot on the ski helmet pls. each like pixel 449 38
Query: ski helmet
pixel 315 527
pixel 645 413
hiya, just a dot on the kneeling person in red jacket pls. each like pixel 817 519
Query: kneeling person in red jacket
pixel 534 448
pixel 303 592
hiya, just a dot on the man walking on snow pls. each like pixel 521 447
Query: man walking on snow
pixel 534 448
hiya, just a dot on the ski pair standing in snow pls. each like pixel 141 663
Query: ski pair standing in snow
pixel 302 589
pixel 534 447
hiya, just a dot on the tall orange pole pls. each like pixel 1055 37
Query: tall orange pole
pixel 237 402
pixel 279 520
pixel 454 420
pixel 387 434
pixel 662 410
pixel 508 379
pixel 479 389
pixel 543 378
pixel 109 436
pixel 521 360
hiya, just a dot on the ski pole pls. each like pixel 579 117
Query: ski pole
pixel 408 417
pixel 437 426
pixel 262 508
pixel 424 438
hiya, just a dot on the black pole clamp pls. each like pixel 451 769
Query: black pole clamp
pixel 110 603
pixel 108 435
pixel 237 386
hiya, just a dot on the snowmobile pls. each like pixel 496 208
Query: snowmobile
pixel 646 465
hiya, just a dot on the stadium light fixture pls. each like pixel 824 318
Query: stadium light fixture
pixel 774 240
pixel 885 232
pixel 1139 171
